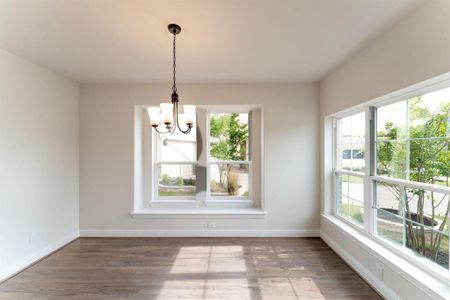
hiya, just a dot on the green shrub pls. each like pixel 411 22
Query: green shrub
pixel 233 185
pixel 179 181
pixel 217 187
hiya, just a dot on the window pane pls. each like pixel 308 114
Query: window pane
pixel 350 197
pixel 389 226
pixel 351 143
pixel 420 223
pixel 429 115
pixel 388 197
pixel 389 213
pixel 177 146
pixel 176 180
pixel 413 138
pixel 356 188
pixel 391 159
pixel 356 211
pixel 430 161
pixel 229 134
pixel 427 242
pixel 427 208
pixel 229 180
pixel 392 120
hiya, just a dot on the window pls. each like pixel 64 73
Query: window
pixel 398 191
pixel 229 164
pixel 350 167
pixel 412 144
pixel 176 159
pixel 218 164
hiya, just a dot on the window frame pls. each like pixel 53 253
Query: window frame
pixel 365 175
pixel 238 200
pixel 420 89
pixel 146 172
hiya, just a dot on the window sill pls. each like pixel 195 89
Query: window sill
pixel 435 284
pixel 237 213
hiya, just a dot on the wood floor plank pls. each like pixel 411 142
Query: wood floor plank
pixel 190 268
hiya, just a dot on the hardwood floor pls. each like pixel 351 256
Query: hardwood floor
pixel 190 268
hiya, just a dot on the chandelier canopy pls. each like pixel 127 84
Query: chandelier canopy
pixel 167 115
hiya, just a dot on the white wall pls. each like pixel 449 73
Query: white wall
pixel 291 154
pixel 415 49
pixel 38 162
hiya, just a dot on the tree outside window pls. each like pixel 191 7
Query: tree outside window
pixel 415 147
pixel 229 154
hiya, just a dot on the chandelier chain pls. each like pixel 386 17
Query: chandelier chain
pixel 174 87
pixel 171 125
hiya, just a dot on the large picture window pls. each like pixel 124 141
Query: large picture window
pixel 403 185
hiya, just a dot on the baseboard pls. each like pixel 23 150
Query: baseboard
pixel 368 276
pixel 27 261
pixel 200 233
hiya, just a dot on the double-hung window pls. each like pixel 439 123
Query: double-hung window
pixel 392 173
pixel 411 187
pixel 229 164
pixel 350 166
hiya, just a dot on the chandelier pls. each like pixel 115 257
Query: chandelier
pixel 166 118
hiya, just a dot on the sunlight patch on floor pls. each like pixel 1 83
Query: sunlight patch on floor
pixel 209 259
pixel 306 288
pixel 205 289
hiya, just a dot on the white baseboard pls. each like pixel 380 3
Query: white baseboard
pixel 27 261
pixel 200 233
pixel 377 284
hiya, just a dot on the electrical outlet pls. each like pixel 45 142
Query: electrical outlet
pixel 379 272
pixel 211 225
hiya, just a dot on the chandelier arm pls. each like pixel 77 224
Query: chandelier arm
pixel 161 132
pixel 177 124
pixel 184 131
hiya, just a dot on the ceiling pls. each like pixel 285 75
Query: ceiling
pixel 110 41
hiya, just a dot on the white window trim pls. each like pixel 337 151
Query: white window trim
pixel 328 199
pixel 146 205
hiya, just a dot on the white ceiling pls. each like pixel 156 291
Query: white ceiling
pixel 221 41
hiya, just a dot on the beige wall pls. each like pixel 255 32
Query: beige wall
pixel 38 161
pixel 291 124
pixel 414 50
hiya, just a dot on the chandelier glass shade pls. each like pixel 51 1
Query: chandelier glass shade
pixel 167 118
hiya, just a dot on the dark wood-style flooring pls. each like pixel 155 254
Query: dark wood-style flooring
pixel 190 268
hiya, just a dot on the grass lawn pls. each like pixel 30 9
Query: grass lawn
pixel 352 211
